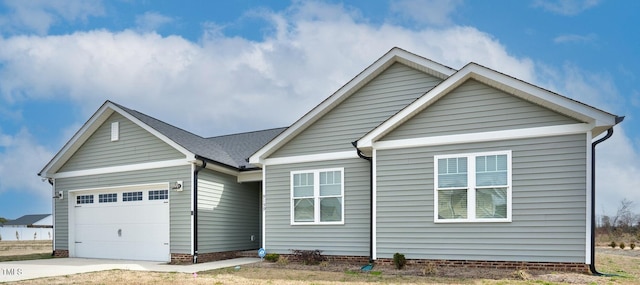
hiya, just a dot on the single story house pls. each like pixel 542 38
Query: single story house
pixel 458 167
pixel 28 227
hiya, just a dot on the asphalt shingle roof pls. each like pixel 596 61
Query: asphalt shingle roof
pixel 231 150
pixel 26 220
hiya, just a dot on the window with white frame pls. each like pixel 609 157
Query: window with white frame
pixel 317 196
pixel 473 187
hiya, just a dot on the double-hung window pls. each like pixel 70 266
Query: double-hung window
pixel 473 187
pixel 317 196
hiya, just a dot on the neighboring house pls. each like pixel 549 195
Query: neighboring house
pixel 28 227
pixel 128 186
pixel 460 167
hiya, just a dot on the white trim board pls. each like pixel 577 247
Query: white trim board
pixel 484 136
pixel 122 168
pixel 311 157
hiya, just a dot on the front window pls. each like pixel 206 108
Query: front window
pixel 317 196
pixel 473 187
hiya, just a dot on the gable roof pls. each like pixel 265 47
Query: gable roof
pixel 598 120
pixel 26 220
pixel 395 55
pixel 226 150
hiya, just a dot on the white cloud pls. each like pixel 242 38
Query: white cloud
pixel 618 158
pixel 433 12
pixel 152 21
pixel 617 171
pixel 235 84
pixel 22 158
pixel 39 15
pixel 572 38
pixel 566 7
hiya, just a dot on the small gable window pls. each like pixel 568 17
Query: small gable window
pixel 115 131
pixel 473 187
pixel 317 196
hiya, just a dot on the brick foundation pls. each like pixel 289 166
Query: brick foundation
pixel 60 253
pixel 346 259
pixel 511 265
pixel 182 258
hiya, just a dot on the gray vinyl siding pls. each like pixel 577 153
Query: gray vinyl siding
pixel 180 202
pixel 228 213
pixel 136 145
pixel 352 238
pixel 475 107
pixel 548 215
pixel 385 95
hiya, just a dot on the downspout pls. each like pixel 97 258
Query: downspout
pixel 195 209
pixel 592 266
pixel 361 155
pixel 53 216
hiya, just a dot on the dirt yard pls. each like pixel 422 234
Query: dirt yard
pixel 11 248
pixel 625 264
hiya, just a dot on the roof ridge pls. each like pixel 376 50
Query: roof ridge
pixel 248 132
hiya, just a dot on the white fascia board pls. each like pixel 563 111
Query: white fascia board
pixel 502 82
pixel 77 140
pixel 485 136
pixel 418 105
pixel 96 120
pixel 152 131
pixel 538 95
pixel 250 176
pixel 121 168
pixel 391 57
pixel 311 158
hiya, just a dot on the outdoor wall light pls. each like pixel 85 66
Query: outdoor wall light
pixel 177 186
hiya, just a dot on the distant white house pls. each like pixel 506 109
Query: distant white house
pixel 28 227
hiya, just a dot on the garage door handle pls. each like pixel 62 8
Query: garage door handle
pixel 78 242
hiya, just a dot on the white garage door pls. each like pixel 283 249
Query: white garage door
pixel 124 224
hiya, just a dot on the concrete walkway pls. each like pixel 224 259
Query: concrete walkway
pixel 30 269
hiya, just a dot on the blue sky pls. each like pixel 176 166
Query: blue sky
pixel 219 67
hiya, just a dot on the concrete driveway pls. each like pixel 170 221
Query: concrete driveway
pixel 30 269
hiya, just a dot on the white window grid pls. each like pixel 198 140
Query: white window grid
pixel 158 194
pixel 471 187
pixel 108 198
pixel 132 196
pixel 84 199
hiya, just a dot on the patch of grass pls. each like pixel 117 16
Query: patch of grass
pixel 26 257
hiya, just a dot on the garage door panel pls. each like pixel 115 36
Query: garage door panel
pixel 137 230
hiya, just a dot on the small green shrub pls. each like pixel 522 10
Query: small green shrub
pixel 272 257
pixel 632 245
pixel 612 244
pixel 309 257
pixel 399 261
pixel 621 245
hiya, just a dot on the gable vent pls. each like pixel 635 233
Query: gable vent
pixel 115 131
